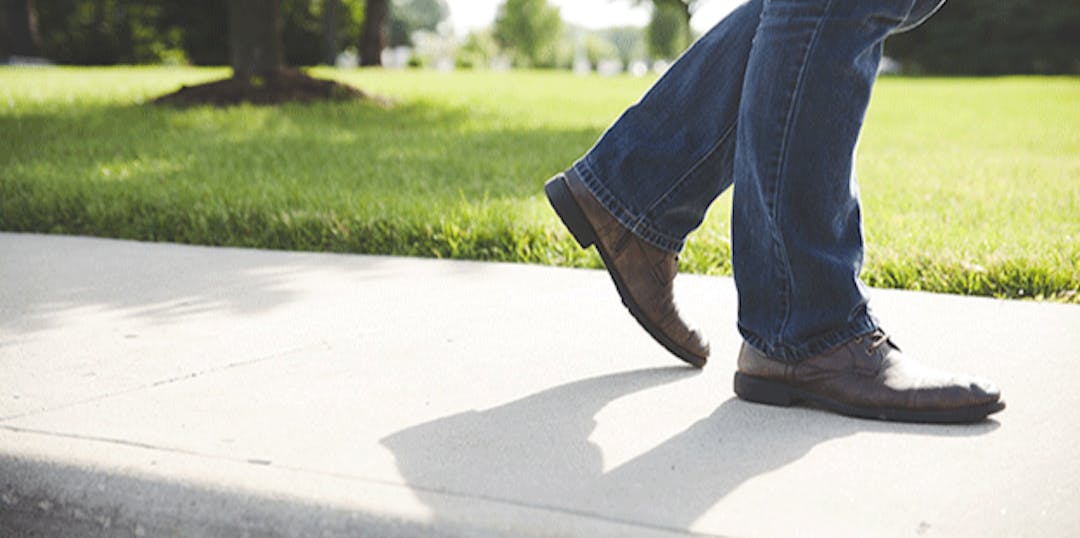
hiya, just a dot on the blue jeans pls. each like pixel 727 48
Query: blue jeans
pixel 771 100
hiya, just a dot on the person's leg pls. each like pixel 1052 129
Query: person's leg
pixel 796 226
pixel 664 161
pixel 650 179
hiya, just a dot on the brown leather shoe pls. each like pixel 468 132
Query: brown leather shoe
pixel 867 377
pixel 643 273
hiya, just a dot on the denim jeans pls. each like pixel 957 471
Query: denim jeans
pixel 771 100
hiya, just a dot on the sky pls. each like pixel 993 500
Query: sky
pixel 468 15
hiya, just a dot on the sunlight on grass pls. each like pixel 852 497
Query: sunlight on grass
pixel 969 186
pixel 966 179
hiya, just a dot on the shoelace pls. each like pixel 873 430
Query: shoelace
pixel 879 337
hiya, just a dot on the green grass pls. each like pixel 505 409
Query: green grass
pixel 969 186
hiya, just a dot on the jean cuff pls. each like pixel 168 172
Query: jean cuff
pixel 794 353
pixel 637 224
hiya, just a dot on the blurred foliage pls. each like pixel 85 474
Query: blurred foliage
pixel 410 16
pixel 530 31
pixel 629 42
pixel 597 48
pixel 970 37
pixel 478 50
pixel 965 37
pixel 304 27
pixel 107 32
pixel 668 33
pixel 113 31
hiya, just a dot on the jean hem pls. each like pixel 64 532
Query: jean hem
pixel 791 354
pixel 637 225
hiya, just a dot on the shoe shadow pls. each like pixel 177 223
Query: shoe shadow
pixel 536 452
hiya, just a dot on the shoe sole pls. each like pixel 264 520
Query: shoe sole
pixel 572 216
pixel 764 391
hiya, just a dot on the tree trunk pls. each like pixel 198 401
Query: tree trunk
pixel 22 37
pixel 331 20
pixel 374 37
pixel 259 72
pixel 255 47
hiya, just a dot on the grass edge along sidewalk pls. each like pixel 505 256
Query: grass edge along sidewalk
pixel 969 185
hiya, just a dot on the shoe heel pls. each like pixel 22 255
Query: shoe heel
pixel 762 391
pixel 562 200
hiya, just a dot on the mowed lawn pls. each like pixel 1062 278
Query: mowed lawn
pixel 968 185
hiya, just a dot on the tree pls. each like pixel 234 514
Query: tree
pixel 105 32
pixel 684 8
pixel 968 37
pixel 668 33
pixel 331 19
pixel 530 29
pixel 108 32
pixel 257 58
pixel 203 27
pixel 315 31
pixel 629 41
pixel 478 50
pixel 672 21
pixel 410 16
pixel 374 37
pixel 18 28
pixel 255 49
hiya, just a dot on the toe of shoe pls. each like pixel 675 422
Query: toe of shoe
pixel 984 391
pixel 697 344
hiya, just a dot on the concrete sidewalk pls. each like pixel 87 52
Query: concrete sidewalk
pixel 164 390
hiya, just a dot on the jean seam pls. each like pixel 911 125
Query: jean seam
pixel 679 183
pixel 778 238
pixel 637 224
pixel 906 24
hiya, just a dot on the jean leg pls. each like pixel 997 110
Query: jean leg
pixel 664 161
pixel 796 223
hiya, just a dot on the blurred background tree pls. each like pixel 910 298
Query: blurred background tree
pixel 103 32
pixel 410 16
pixel 19 29
pixel 256 54
pixel 530 30
pixel 969 37
pixel 314 32
pixel 108 32
pixel 478 51
pixel 629 42
pixel 668 33
pixel 374 35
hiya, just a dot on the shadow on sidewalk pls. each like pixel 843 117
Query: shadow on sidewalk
pixel 536 452
pixel 45 277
